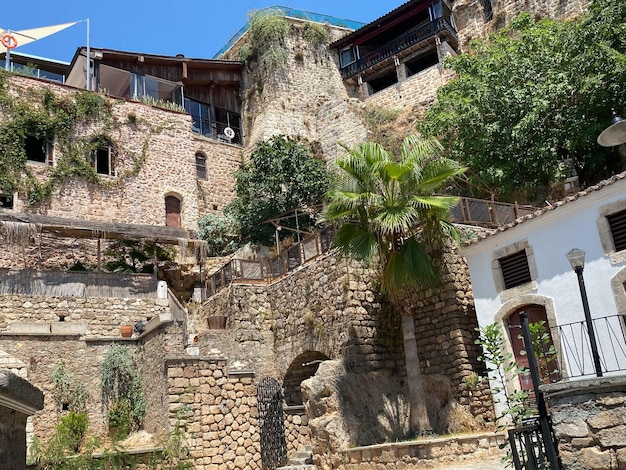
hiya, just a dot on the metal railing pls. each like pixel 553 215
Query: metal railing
pixel 397 45
pixel 268 270
pixel 487 213
pixel 575 351
pixel 215 130
pixel 528 449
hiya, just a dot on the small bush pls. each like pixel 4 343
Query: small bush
pixel 71 430
pixel 267 28
pixel 316 34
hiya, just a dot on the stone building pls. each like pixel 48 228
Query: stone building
pixel 161 155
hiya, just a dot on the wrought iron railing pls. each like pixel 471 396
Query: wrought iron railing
pixel 265 271
pixel 575 351
pixel 528 449
pixel 398 45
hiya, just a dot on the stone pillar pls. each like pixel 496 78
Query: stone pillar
pixel 589 418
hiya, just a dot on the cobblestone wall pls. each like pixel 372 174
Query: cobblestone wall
pixel 221 412
pixel 589 419
pixel 162 145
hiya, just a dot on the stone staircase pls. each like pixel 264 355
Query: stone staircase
pixel 303 460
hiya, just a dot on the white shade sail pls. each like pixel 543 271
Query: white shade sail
pixel 27 36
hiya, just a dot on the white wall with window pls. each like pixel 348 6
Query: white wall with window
pixel 544 240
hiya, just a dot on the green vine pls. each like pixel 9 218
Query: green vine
pixel 54 118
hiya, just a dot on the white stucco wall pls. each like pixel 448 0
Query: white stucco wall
pixel 551 236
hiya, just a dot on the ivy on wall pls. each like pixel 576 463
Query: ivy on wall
pixel 42 114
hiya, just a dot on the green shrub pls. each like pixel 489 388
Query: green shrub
pixel 316 34
pixel 219 232
pixel 72 429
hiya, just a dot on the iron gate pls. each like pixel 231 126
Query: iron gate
pixel 271 423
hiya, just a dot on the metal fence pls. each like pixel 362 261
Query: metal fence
pixel 528 449
pixel 265 271
pixel 574 349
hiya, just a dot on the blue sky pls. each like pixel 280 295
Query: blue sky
pixel 195 28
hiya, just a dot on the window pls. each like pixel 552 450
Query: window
pixel 38 149
pixel 6 201
pixel 515 270
pixel 201 166
pixel 422 62
pixel 347 56
pixel 172 211
pixel 612 229
pixel 383 82
pixel 617 225
pixel 200 116
pixel 103 160
pixel 228 119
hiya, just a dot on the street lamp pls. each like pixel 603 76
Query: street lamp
pixel 615 134
pixel 576 258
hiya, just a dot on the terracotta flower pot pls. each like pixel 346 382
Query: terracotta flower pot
pixel 216 322
pixel 126 331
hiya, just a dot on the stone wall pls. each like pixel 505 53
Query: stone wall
pixel 289 101
pixel 296 429
pixel 589 419
pixel 162 145
pixel 220 411
pixel 92 317
pixel 429 453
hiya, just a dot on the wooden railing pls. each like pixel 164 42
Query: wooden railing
pixel 399 44
pixel 487 213
pixel 265 271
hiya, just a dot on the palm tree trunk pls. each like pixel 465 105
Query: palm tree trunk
pixel 418 417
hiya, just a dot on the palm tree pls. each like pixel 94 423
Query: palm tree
pixel 389 210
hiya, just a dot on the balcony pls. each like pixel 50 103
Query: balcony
pixel 407 44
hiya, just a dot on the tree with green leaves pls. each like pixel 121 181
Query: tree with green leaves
pixel 281 176
pixel 533 95
pixel 390 209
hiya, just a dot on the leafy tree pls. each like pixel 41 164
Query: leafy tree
pixel 389 211
pixel 281 176
pixel 532 95
pixel 219 233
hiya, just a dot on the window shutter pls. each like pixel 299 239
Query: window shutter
pixel 515 270
pixel 617 223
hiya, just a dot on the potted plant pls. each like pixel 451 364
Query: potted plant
pixel 126 331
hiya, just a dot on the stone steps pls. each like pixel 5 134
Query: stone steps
pixel 303 460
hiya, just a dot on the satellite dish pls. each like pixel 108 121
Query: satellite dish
pixel 228 132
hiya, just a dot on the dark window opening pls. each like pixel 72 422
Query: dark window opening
pixel 487 10
pixel 6 201
pixel 617 225
pixel 201 166
pixel 383 82
pixel 515 269
pixel 37 149
pixel 421 63
pixel 215 207
pixel 102 160
pixel 200 116
pixel 65 407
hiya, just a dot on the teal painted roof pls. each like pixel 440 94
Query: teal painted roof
pixel 294 13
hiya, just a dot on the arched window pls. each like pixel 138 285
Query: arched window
pixel 201 166
pixel 172 211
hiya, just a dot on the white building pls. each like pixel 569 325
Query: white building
pixel 523 267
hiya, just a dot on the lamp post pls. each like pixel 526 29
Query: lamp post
pixel 576 258
pixel 615 134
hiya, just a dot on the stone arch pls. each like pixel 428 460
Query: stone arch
pixel 618 285
pixel 301 368
pixel 173 210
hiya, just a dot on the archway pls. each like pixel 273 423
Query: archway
pixel 301 368
pixel 172 211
